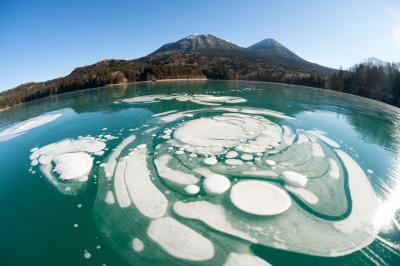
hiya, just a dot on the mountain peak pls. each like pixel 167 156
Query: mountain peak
pixel 266 42
pixel 272 46
pixel 196 42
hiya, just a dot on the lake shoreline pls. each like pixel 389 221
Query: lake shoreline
pixel 394 107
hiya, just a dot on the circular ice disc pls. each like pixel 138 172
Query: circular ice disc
pixel 259 198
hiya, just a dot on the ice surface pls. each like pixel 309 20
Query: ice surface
pixel 203 184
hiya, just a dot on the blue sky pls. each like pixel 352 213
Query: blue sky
pixel 41 40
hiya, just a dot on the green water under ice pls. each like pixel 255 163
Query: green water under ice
pixel 41 225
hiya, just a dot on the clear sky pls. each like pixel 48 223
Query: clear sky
pixel 41 40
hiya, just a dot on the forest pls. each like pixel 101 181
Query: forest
pixel 380 82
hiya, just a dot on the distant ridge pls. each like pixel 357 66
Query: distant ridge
pixel 267 51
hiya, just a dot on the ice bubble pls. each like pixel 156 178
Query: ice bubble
pixel 270 162
pixel 210 160
pixel 246 157
pixel 231 155
pixel 87 255
pixel 259 198
pixel 233 162
pixel 192 189
pixel 137 245
pixel 213 183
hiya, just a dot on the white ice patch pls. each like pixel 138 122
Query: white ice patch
pixel 365 206
pixel 76 165
pixel 173 175
pixel 256 111
pixel 303 193
pixel 143 193
pixel 109 167
pixel 325 139
pixel 335 170
pixel 165 113
pixel 260 173
pixel 212 215
pixel 179 240
pixel 202 99
pixel 121 192
pixel 237 259
pixel 317 150
pixel 141 99
pixel 25 126
pixel 259 198
pixel 213 135
pixel 295 179
pixel 109 199
pixel 72 161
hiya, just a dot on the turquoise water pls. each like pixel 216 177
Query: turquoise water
pixel 44 223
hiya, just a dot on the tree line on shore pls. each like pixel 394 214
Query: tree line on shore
pixel 380 82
